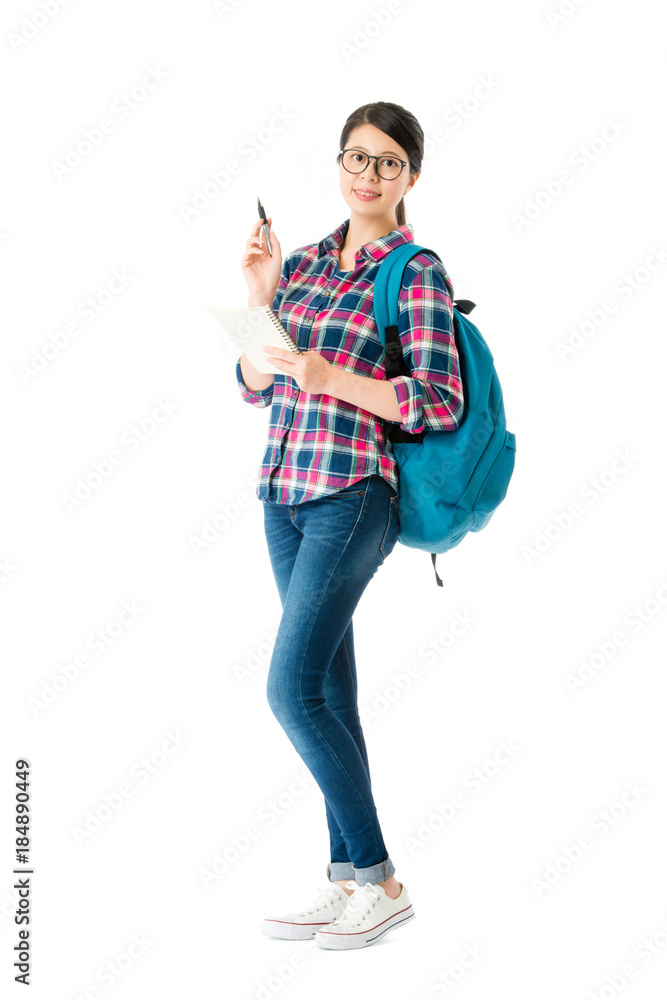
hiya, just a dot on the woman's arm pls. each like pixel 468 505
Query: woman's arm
pixel 253 379
pixel 370 394
pixel 431 396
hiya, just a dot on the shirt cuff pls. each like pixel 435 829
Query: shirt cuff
pixel 409 395
pixel 258 397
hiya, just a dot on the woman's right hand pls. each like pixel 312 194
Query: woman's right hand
pixel 260 269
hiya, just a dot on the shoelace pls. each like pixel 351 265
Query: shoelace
pixel 360 903
pixel 325 898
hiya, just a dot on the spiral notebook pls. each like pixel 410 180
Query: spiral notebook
pixel 252 328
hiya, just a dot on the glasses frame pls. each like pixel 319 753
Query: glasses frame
pixel 353 149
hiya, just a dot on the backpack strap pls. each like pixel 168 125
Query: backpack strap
pixel 386 291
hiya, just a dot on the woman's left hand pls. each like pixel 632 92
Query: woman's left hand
pixel 311 371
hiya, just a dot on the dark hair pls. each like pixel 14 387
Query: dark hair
pixel 396 122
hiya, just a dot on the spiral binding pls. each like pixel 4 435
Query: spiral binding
pixel 281 330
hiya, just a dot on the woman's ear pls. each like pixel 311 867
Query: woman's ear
pixel 413 181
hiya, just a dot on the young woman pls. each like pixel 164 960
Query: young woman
pixel 329 484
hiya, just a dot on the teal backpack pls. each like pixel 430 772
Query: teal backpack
pixel 450 482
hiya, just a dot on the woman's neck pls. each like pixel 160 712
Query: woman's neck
pixel 361 231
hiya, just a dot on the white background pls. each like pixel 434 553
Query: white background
pixel 193 658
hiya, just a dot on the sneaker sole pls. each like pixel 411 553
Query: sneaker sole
pixel 359 939
pixel 291 932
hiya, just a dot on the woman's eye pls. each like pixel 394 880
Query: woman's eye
pixel 391 163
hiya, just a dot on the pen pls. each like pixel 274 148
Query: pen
pixel 265 225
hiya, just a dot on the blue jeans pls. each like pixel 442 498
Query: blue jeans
pixel 324 553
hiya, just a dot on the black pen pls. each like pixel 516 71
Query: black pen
pixel 265 226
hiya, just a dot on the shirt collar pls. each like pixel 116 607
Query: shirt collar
pixel 375 250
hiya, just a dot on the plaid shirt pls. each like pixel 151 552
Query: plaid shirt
pixel 317 443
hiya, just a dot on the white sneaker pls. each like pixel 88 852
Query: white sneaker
pixel 329 904
pixel 369 914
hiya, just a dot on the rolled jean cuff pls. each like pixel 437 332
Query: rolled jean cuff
pixel 375 874
pixel 339 870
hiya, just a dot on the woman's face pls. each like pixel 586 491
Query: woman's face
pixel 370 139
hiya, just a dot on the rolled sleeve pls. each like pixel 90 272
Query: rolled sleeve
pixel 431 397
pixel 258 397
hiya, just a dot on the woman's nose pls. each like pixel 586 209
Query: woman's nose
pixel 370 171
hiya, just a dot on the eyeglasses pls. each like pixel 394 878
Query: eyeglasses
pixel 354 161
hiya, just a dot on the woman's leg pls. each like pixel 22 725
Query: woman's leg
pixel 283 539
pixel 340 693
pixel 345 538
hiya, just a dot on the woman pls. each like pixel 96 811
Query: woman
pixel 329 484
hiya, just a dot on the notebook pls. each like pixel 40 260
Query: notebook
pixel 252 328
